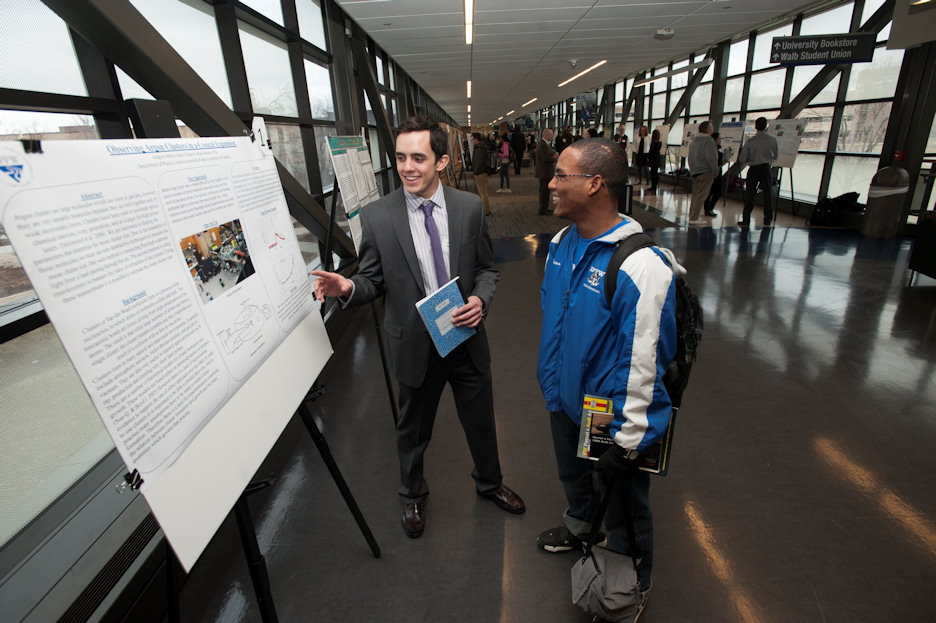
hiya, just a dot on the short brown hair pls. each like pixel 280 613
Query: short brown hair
pixel 438 139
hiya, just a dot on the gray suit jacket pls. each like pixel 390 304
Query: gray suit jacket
pixel 387 265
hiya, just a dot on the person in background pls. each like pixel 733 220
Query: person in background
pixel 545 167
pixel 703 165
pixel 716 189
pixel 642 156
pixel 654 160
pixel 503 153
pixel 759 151
pixel 403 258
pixel 518 142
pixel 479 164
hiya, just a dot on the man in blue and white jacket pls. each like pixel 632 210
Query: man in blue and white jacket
pixel 620 352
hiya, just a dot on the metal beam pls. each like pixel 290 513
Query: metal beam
pixel 694 82
pixel 119 31
pixel 368 80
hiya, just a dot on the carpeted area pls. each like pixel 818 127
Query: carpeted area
pixel 515 214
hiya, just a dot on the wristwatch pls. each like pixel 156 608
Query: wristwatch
pixel 631 455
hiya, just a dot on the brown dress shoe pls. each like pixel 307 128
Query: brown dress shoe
pixel 506 499
pixel 414 521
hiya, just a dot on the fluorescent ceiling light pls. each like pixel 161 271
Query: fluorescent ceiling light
pixel 469 107
pixel 499 118
pixel 699 65
pixel 510 112
pixel 469 89
pixel 469 21
pixel 530 102
pixel 582 73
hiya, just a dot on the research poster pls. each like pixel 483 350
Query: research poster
pixel 789 133
pixel 689 132
pixel 732 135
pixel 171 272
pixel 356 181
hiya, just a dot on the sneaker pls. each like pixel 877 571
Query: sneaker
pixel 499 190
pixel 698 221
pixel 507 190
pixel 558 540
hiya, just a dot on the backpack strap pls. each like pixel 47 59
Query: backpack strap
pixel 622 250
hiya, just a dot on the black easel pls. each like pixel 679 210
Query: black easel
pixel 327 264
pixel 308 418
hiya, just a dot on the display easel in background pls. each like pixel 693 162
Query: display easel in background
pixel 353 171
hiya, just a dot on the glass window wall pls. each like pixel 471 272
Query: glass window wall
pixel 311 27
pixel 52 66
pixel 318 79
pixel 267 62
pixel 763 43
pixel 189 27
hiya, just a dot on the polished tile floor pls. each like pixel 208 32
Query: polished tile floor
pixel 802 481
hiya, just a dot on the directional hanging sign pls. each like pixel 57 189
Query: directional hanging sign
pixel 823 49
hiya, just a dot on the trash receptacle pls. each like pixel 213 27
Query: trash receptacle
pixel 885 202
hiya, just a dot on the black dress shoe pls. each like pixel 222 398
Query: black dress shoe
pixel 711 213
pixel 414 521
pixel 506 499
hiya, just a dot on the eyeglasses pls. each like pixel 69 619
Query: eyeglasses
pixel 562 176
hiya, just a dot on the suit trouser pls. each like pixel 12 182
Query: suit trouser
pixel 630 496
pixel 701 185
pixel 481 180
pixel 758 175
pixel 519 161
pixel 474 402
pixel 544 194
pixel 714 194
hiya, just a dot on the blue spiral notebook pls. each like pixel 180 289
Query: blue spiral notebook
pixel 436 311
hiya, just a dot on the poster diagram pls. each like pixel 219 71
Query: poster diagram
pixel 356 181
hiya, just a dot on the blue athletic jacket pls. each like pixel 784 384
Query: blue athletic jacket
pixel 621 351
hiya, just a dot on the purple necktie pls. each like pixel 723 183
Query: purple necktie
pixel 437 259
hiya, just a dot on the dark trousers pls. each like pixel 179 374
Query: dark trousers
pixel 630 496
pixel 474 402
pixel 544 194
pixel 714 194
pixel 758 175
pixel 519 161
pixel 654 176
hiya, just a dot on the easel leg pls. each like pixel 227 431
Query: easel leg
pixel 255 561
pixel 308 418
pixel 386 371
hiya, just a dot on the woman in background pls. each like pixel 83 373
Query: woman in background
pixel 654 160
pixel 641 159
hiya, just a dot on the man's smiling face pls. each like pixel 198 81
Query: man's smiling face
pixel 416 163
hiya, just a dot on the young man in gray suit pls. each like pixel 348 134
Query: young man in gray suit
pixel 414 240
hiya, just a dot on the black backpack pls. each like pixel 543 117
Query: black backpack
pixel 688 316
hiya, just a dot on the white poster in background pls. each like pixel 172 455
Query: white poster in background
pixel 162 331
pixel 352 163
pixel 689 132
pixel 789 133
pixel 732 135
